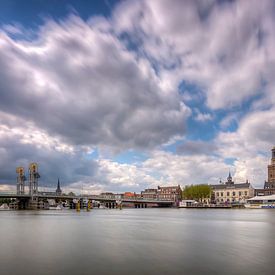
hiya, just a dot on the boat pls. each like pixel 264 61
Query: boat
pixel 4 207
pixel 187 203
pixel 58 207
pixel 261 202
pixel 54 206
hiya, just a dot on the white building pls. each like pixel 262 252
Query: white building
pixel 232 193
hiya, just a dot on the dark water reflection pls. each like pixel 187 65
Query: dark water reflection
pixel 138 241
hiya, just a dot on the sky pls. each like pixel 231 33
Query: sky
pixel 126 95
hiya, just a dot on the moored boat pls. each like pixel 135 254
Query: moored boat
pixel 187 203
pixel 4 206
pixel 261 202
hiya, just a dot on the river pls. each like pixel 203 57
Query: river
pixel 138 241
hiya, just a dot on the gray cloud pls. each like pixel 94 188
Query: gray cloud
pixel 83 85
pixel 69 168
pixel 197 148
pixel 80 83
pixel 223 46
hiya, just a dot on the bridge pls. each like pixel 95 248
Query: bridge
pixel 28 201
pixel 35 199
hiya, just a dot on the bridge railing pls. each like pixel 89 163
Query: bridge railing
pixel 93 197
pixel 122 198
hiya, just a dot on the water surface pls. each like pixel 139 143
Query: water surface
pixel 138 241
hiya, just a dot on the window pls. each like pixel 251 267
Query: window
pixel 217 194
pixel 245 192
pixel 222 194
pixel 234 193
pixel 228 194
pixel 240 193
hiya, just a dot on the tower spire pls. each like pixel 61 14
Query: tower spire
pixel 229 178
pixel 58 189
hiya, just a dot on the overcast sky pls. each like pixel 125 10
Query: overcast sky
pixel 119 96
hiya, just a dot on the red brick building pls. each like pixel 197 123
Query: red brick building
pixel 150 193
pixel 169 193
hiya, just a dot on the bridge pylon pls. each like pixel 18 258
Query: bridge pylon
pixel 20 180
pixel 33 179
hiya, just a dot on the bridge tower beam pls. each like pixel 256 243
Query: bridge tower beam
pixel 20 180
pixel 33 179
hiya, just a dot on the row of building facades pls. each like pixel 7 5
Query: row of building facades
pixel 222 193
pixel 230 192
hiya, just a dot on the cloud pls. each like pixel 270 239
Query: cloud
pixel 21 145
pixel 197 148
pixel 88 91
pixel 224 47
pixel 174 169
pixel 255 135
pixel 203 117
pixel 114 84
pixel 250 146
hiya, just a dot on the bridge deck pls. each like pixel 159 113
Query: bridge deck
pixel 91 197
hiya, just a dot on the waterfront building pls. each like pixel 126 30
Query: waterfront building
pixel 129 195
pixel 149 193
pixel 118 196
pixel 261 202
pixel 232 193
pixel 58 189
pixel 107 195
pixel 169 193
pixel 269 185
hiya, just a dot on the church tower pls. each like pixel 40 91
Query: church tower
pixel 271 167
pixel 229 179
pixel 58 189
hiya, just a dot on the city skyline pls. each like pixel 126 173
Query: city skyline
pixel 126 95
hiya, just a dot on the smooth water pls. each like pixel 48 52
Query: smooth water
pixel 138 241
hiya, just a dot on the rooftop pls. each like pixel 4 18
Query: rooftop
pixel 231 186
pixel 261 198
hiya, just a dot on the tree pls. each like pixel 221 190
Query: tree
pixel 198 192
pixel 8 201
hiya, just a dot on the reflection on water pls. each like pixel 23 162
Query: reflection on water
pixel 138 241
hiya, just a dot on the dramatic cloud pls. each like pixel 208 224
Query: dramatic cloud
pixel 254 135
pixel 21 145
pixel 183 170
pixel 190 83
pixel 223 46
pixel 79 83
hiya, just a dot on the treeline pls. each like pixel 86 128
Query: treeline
pixel 197 192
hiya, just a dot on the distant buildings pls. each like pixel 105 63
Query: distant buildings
pixel 129 195
pixel 169 193
pixel 149 193
pixel 173 193
pixel 269 185
pixel 232 193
